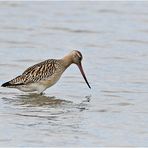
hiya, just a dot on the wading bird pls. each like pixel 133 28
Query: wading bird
pixel 43 75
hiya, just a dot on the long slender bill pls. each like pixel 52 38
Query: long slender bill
pixel 83 74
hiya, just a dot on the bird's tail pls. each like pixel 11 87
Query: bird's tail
pixel 7 84
pixel 13 83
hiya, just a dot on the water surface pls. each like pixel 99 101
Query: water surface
pixel 113 38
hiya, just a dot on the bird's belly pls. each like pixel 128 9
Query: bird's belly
pixel 49 82
pixel 26 88
pixel 32 87
pixel 41 85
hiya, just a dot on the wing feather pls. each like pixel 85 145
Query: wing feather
pixel 37 72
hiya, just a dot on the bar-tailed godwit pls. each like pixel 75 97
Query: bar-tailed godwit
pixel 43 75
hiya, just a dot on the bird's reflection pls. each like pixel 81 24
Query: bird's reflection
pixel 40 100
pixel 35 100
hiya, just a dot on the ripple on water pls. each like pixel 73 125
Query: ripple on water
pixel 122 91
pixel 36 111
pixel 9 65
pixel 133 41
pixel 81 31
pixel 123 104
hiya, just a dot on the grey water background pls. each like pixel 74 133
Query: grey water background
pixel 113 38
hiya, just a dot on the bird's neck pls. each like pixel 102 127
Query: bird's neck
pixel 67 61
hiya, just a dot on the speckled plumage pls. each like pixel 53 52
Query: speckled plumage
pixel 42 75
pixel 41 71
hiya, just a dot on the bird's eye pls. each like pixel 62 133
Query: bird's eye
pixel 80 58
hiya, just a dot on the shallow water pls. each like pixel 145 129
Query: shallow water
pixel 113 37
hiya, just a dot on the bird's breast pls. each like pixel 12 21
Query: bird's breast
pixel 51 80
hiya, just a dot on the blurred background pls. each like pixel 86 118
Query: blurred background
pixel 113 39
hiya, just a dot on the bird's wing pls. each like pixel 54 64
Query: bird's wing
pixel 37 72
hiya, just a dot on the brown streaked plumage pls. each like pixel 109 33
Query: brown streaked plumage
pixel 45 74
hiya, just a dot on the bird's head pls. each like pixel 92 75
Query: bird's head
pixel 76 59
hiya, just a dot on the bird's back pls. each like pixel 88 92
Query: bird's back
pixel 36 73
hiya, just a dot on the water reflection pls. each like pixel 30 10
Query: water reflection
pixel 34 110
pixel 35 100
pixel 46 102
